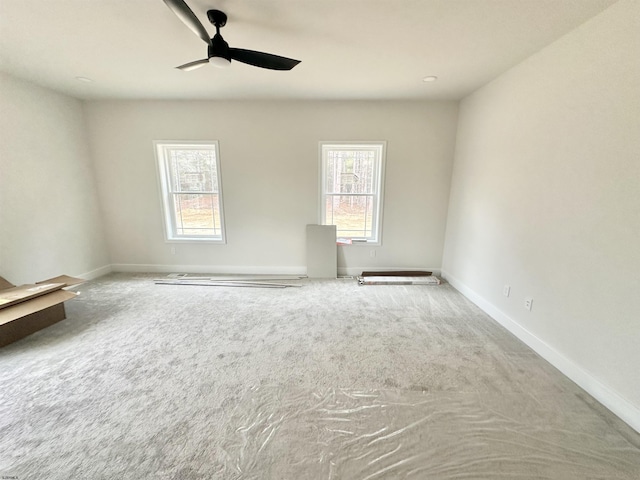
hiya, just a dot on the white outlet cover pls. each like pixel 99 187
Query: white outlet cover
pixel 528 303
pixel 506 290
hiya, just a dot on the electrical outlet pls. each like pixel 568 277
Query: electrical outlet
pixel 372 253
pixel 506 290
pixel 173 250
pixel 528 303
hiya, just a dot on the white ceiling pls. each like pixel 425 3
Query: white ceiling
pixel 350 49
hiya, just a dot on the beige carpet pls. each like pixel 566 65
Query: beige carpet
pixel 328 381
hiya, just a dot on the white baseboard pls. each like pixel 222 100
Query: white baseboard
pixel 218 269
pixel 355 271
pixel 98 272
pixel 241 270
pixel 621 407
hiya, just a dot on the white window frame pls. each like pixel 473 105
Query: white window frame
pixel 379 147
pixel 162 149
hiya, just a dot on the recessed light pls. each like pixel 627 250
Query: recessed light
pixel 430 78
pixel 84 79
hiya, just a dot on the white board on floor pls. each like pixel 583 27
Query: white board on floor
pixel 322 252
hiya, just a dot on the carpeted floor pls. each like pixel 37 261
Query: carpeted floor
pixel 328 381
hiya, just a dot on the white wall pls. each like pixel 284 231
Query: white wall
pixel 49 218
pixel 269 160
pixel 546 197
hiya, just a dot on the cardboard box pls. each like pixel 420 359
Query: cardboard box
pixel 28 308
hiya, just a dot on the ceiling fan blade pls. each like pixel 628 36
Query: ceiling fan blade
pixel 187 67
pixel 184 13
pixel 262 60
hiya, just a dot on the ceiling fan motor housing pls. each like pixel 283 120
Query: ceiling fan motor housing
pixel 219 47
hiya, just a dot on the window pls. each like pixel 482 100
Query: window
pixel 352 176
pixel 191 190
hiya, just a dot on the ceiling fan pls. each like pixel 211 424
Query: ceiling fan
pixel 219 53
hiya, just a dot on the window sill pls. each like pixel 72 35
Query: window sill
pixel 357 243
pixel 196 240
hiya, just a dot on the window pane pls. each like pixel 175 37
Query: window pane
pixel 197 214
pixel 191 191
pixel 351 194
pixel 352 215
pixel 193 170
pixel 350 171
